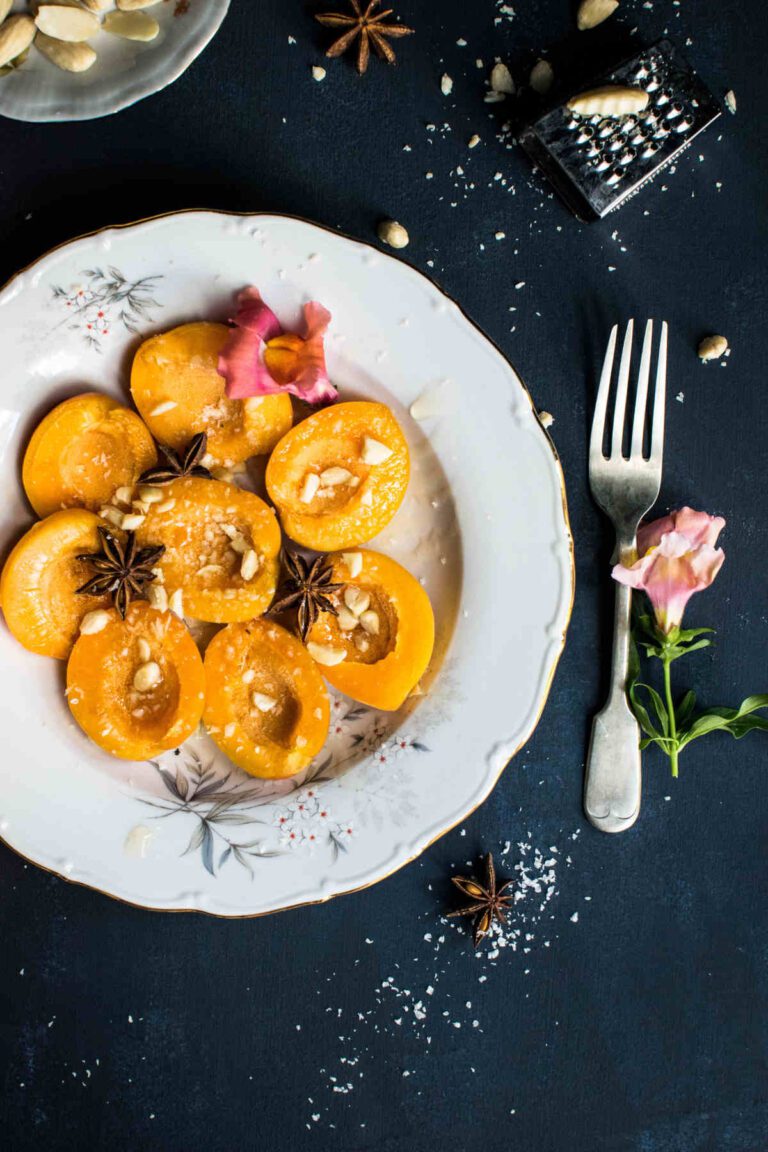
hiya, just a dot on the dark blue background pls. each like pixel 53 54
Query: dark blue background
pixel 641 1026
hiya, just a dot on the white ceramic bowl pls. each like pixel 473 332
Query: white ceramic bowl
pixel 484 526
pixel 125 71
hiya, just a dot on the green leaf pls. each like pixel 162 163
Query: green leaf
pixel 737 721
pixel 674 653
pixel 641 714
pixel 686 634
pixel 744 724
pixel 659 707
pixel 752 703
pixel 684 710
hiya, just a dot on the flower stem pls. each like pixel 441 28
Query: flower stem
pixel 671 713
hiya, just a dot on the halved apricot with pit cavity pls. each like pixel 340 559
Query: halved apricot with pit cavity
pixel 266 704
pixel 379 646
pixel 222 547
pixel 339 476
pixel 82 451
pixel 40 578
pixel 136 686
pixel 179 392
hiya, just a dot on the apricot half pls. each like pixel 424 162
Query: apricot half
pixel 379 646
pixel 266 705
pixel 339 476
pixel 40 578
pixel 82 451
pixel 179 392
pixel 137 686
pixel 222 547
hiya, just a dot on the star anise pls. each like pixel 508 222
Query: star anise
pixel 371 29
pixel 186 463
pixel 307 588
pixel 123 571
pixel 488 902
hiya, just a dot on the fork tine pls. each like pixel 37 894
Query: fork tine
pixel 641 396
pixel 620 405
pixel 601 403
pixel 659 401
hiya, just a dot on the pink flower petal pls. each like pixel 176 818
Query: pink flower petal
pixel 255 315
pixel 312 383
pixel 241 360
pixel 676 566
pixel 649 535
pixel 242 363
pixel 699 527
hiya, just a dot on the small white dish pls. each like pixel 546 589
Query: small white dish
pixel 125 71
pixel 484 525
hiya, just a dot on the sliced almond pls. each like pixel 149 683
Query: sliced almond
pixel 332 477
pixel 713 348
pixel 94 622
pixel 239 544
pixel 176 603
pixel 367 498
pixel 157 597
pixel 263 702
pixel 346 620
pixel 112 516
pixel 124 494
pixel 356 599
pixel 224 474
pixel 541 77
pixel 309 488
pixel 354 563
pixel 209 570
pixel 369 622
pixel 374 452
pixel 392 233
pixel 147 677
pixel 132 521
pixel 131 25
pixel 16 35
pixel 150 494
pixel 501 79
pixel 322 654
pixel 5 7
pixel 134 5
pixel 165 505
pixel 249 565
pixel 72 25
pixel 167 405
pixel 96 5
pixel 362 643
pixel 613 100
pixel 594 12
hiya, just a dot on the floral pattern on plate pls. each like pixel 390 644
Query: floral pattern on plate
pixel 106 299
pixel 238 818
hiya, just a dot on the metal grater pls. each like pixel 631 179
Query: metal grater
pixel 595 163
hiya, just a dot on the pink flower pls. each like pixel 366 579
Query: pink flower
pixel 261 359
pixel 676 557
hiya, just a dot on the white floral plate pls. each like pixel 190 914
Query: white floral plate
pixel 484 526
pixel 125 70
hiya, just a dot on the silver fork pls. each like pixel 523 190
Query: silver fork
pixel 625 488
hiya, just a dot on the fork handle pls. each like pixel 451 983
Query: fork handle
pixel 613 779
